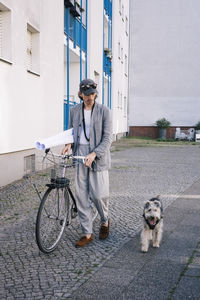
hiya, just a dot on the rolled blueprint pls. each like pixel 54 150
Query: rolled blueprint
pixel 65 137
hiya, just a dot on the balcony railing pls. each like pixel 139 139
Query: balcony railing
pixel 108 7
pixel 67 105
pixel 76 31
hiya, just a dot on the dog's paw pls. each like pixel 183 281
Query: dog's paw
pixel 156 245
pixel 144 249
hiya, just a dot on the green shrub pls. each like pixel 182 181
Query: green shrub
pixel 197 126
pixel 163 123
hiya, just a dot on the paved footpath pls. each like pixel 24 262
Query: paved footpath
pixel 114 268
pixel 170 272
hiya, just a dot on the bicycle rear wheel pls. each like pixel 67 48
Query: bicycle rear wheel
pixel 51 219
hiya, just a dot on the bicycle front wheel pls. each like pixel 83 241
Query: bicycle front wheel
pixel 51 219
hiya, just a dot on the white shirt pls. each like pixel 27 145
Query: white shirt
pixel 87 115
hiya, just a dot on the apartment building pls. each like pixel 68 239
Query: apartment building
pixel 45 50
pixel 164 65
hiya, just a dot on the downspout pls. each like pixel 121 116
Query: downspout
pixel 66 111
pixel 86 43
pixel 80 36
pixel 111 60
pixel 68 60
pixel 103 60
pixel 109 46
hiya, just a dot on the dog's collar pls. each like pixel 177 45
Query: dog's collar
pixel 151 226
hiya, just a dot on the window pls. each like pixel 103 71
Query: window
pixel 120 7
pixel 110 35
pixel 122 55
pixel 118 99
pixel 84 12
pixel 29 164
pixel 122 12
pixel 106 45
pixel 97 80
pixel 29 49
pixel 71 27
pixel 125 107
pixel 126 25
pixel 126 65
pixel 33 50
pixel 5 33
pixel 105 90
pixel 119 49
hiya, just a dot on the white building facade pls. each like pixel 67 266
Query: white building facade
pixel 46 48
pixel 164 64
pixel 120 65
pixel 31 80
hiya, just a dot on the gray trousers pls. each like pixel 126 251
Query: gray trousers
pixel 94 186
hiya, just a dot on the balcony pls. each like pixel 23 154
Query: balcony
pixel 76 32
pixel 108 7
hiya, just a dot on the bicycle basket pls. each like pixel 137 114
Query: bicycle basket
pixel 49 168
pixel 57 167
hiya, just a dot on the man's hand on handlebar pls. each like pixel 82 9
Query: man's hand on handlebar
pixel 66 149
pixel 89 159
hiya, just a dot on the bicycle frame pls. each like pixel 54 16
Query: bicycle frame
pixel 59 196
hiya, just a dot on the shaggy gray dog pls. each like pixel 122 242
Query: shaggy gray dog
pixel 153 224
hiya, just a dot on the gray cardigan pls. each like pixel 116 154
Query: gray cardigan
pixel 100 133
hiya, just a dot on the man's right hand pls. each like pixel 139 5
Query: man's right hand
pixel 66 149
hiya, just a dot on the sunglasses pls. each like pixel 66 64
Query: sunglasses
pixel 88 86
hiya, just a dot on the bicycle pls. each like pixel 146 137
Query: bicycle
pixel 58 205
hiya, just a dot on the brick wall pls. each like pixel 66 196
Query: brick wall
pixel 152 131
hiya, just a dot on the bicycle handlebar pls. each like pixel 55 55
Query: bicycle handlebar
pixel 65 156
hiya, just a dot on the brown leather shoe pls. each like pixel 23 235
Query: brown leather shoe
pixel 84 241
pixel 104 231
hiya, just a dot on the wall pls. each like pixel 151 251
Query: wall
pixel 31 106
pixel 164 62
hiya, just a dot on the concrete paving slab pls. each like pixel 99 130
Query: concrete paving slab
pixel 194 267
pixel 188 288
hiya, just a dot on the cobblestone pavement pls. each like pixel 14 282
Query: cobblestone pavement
pixel 136 175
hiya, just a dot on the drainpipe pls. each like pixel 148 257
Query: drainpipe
pixel 80 37
pixel 86 42
pixel 111 52
pixel 103 60
pixel 67 39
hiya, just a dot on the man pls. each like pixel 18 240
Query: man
pixel 92 126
